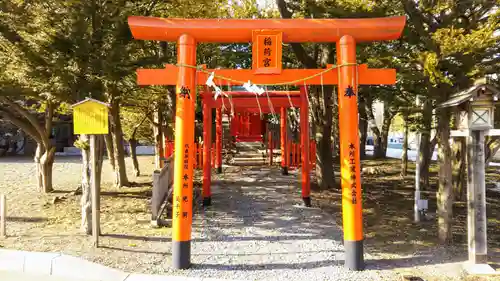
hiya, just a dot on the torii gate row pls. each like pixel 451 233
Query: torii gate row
pixel 240 99
pixel 297 99
pixel 267 36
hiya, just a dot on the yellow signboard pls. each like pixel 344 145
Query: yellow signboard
pixel 90 117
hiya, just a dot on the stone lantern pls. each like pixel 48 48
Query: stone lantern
pixel 475 108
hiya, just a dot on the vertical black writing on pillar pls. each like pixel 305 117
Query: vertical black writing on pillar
pixel 185 184
pixel 267 51
pixel 352 172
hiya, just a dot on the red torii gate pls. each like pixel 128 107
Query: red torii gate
pixel 267 36
pixel 282 100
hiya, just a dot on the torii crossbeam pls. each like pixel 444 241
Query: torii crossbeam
pixel 267 36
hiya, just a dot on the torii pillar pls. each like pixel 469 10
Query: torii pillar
pixel 352 211
pixel 218 140
pixel 283 136
pixel 267 36
pixel 304 143
pixel 184 147
pixel 207 150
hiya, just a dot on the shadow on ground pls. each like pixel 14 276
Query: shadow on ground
pixel 388 218
pixel 274 205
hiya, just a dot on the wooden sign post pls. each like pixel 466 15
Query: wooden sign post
pixel 90 117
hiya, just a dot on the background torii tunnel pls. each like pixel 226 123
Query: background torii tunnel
pixel 272 101
pixel 267 36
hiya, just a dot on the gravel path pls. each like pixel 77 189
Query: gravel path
pixel 256 230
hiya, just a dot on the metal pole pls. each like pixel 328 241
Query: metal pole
pixel 417 180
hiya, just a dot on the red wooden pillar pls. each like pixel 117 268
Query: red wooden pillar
pixel 313 154
pixel 304 139
pixel 183 161
pixel 352 212
pixel 213 154
pixel 284 151
pixel 218 141
pixel 165 150
pixel 207 143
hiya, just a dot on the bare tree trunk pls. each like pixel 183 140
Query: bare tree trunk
pixel 86 200
pixel 363 127
pixel 133 154
pixel 170 118
pixel 44 155
pixel 324 164
pixel 377 140
pixel 321 105
pixel 459 168
pixel 445 188
pixel 46 164
pixel 404 157
pixel 120 170
pixel 133 146
pixel 110 150
pixel 384 135
pixel 39 171
pixel 44 161
pixel 426 145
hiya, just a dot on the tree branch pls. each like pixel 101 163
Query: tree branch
pixel 297 48
pixel 417 20
pixel 32 119
pixel 21 124
pixel 134 132
pixel 49 114
pixel 370 116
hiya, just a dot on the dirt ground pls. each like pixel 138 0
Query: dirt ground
pixel 388 220
pixel 35 223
